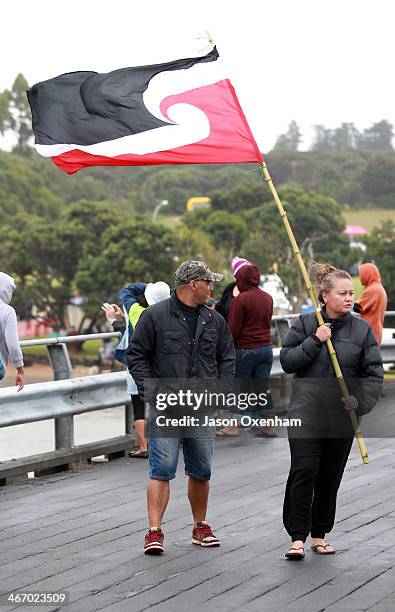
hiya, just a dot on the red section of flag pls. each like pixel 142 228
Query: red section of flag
pixel 230 139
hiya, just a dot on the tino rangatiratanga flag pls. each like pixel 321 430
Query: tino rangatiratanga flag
pixel 179 112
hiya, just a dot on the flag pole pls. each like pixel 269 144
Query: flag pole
pixel 313 297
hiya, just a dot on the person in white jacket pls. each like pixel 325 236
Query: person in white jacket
pixel 9 341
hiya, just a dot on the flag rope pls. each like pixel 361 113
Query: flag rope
pixel 313 297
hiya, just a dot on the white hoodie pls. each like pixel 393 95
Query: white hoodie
pixel 9 342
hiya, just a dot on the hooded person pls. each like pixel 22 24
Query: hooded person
pixel 231 291
pixel 249 320
pixel 9 341
pixel 373 302
pixel 250 314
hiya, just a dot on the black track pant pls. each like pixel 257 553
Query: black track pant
pixel 317 466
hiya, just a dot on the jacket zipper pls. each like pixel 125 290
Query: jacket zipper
pixel 193 340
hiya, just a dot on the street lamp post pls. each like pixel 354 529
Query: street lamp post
pixel 157 208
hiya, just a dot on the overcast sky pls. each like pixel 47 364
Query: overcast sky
pixel 308 60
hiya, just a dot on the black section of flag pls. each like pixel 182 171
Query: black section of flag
pixel 88 107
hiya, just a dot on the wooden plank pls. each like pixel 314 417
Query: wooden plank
pixel 83 532
pixel 64 457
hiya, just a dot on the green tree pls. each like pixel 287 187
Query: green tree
pixel 378 137
pixel 43 258
pixel 194 244
pixel 91 249
pixel 318 226
pixel 244 195
pixel 197 219
pixel 381 251
pixel 6 119
pixel 123 253
pixel 346 136
pixel 174 184
pixel 378 180
pixel 15 114
pixel 22 188
pixel 291 139
pixel 227 231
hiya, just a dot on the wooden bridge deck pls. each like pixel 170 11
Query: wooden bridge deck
pixel 82 533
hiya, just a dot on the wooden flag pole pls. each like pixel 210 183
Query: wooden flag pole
pixel 312 294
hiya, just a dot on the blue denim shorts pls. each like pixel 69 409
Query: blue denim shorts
pixel 163 457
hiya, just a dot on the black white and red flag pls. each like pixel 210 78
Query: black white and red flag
pixel 179 112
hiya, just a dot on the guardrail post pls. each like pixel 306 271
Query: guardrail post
pixel 61 365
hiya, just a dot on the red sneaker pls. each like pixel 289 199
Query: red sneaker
pixel 203 535
pixel 153 544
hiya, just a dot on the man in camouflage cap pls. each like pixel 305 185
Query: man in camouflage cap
pixel 195 270
pixel 181 339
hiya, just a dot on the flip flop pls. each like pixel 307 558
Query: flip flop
pixel 315 547
pixel 137 454
pixel 296 556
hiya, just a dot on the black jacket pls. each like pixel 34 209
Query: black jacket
pixel 162 345
pixel 314 382
pixel 223 304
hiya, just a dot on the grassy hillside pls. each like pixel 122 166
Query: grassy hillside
pixel 368 218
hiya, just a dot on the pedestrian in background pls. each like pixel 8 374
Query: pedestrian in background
pixel 136 297
pixel 231 291
pixel 250 320
pixel 373 302
pixel 9 341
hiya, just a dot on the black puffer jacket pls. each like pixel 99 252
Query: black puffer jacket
pixel 162 345
pixel 314 383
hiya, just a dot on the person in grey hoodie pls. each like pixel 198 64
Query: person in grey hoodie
pixel 9 342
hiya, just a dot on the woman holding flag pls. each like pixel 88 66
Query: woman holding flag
pixel 320 447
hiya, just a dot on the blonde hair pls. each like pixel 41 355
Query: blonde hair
pixel 324 277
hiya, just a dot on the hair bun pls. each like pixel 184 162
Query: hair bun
pixel 324 277
pixel 319 271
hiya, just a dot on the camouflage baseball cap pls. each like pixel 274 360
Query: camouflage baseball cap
pixel 195 270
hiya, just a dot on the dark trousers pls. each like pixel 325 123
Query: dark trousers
pixel 138 407
pixel 252 372
pixel 317 466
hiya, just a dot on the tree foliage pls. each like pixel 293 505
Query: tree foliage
pixel 15 114
pixel 291 139
pixel 90 233
pixel 89 251
pixel 376 138
pixel 318 227
pixel 258 233
pixel 381 251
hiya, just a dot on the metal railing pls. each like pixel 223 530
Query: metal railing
pixel 59 360
pixel 66 397
pixel 68 339
pixel 60 400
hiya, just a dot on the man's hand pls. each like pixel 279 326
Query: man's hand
pixel 351 403
pixel 323 333
pixel 113 312
pixel 20 379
